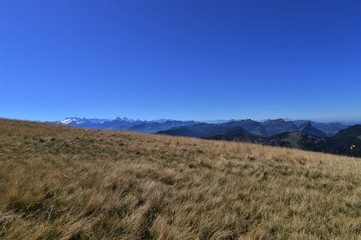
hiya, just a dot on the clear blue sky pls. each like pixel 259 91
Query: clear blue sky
pixel 180 59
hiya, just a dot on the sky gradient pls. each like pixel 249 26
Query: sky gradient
pixel 180 59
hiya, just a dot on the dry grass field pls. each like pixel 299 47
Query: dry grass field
pixel 58 182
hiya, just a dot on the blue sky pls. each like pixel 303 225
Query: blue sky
pixel 180 59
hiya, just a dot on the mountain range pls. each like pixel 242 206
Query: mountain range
pixel 345 142
pixel 308 135
pixel 265 128
pixel 124 123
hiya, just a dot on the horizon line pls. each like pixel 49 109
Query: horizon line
pixel 321 120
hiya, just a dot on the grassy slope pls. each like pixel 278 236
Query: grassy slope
pixel 62 182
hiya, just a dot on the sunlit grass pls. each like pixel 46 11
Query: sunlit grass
pixel 61 182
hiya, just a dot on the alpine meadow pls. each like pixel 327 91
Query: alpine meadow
pixel 60 182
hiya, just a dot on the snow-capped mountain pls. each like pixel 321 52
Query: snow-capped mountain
pixel 124 123
pixel 78 121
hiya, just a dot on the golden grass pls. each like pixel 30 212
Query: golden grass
pixel 59 182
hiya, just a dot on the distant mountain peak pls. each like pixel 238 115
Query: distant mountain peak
pixel 305 125
pixel 277 120
pixel 308 128
pixel 69 120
